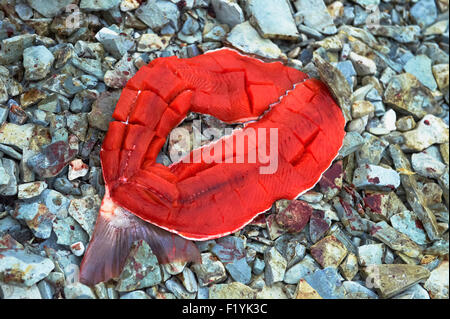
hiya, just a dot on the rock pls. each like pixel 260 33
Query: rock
pixel 210 271
pixel 405 123
pixel 78 291
pixel 85 211
pixel 37 217
pixel 89 66
pixel 159 14
pixel 352 142
pixel 31 97
pixel 11 49
pixel 362 108
pixel 9 176
pixel 56 203
pixel 17 292
pixel 52 159
pixel 295 217
pixel 408 224
pixel 114 42
pixel 16 135
pixel 141 268
pixel 437 283
pixel 102 110
pixel 444 183
pixel 441 74
pixel 337 83
pixel 355 290
pixel 430 130
pixel 275 266
pixel 318 225
pixel 295 252
pixel 23 268
pixel 231 252
pixel 235 290
pixel 94 5
pixel 77 248
pixel 375 177
pixel 300 270
pixel 228 11
pixel 122 72
pixel 178 290
pixel 327 283
pixel 187 277
pixel 383 126
pixel 77 169
pixel 137 294
pixel 407 95
pixel 49 8
pixel 391 279
pixel 37 62
pixel 426 165
pixel 331 182
pixel 329 252
pixel 347 69
pixel 68 231
pixel 401 34
pixel 413 194
pixel 414 292
pixel 370 254
pixel 245 38
pixel 395 240
pixel 349 267
pixel 424 12
pixel 273 19
pixel 420 67
pixel 314 14
pixel 363 66
pixel 149 42
pixel 305 291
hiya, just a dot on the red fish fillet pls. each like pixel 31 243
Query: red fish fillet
pixel 221 194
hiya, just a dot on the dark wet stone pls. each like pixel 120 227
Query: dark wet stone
pixel 102 110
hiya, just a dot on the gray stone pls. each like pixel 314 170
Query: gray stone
pixel 37 217
pixel 314 14
pixel 370 254
pixel 210 271
pixel 420 67
pixel 275 266
pixel 12 48
pixel 395 240
pixel 327 282
pixel 68 231
pixel 56 203
pixel 30 190
pixel 401 34
pixel 174 286
pixel 408 224
pixel 113 42
pixel 426 165
pixel 273 18
pixel 437 283
pixel 355 290
pixel 430 130
pixel 95 5
pixel 300 270
pixel 23 268
pixel 230 250
pixel 37 62
pixel 159 14
pixel 352 142
pixel 363 66
pixel 16 135
pixel 90 66
pixel 228 11
pixel 141 269
pixel 8 187
pixel 187 277
pixel 424 12
pixel 78 291
pixel 414 292
pixel 85 211
pixel 17 292
pixel 245 38
pixel 49 8
pixel 375 177
pixel 347 69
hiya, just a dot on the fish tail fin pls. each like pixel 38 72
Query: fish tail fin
pixel 115 231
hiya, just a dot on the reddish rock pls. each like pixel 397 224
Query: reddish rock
pixel 331 181
pixel 295 217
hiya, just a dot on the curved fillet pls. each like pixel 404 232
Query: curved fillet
pixel 298 134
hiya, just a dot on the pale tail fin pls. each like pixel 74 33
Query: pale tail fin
pixel 115 231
